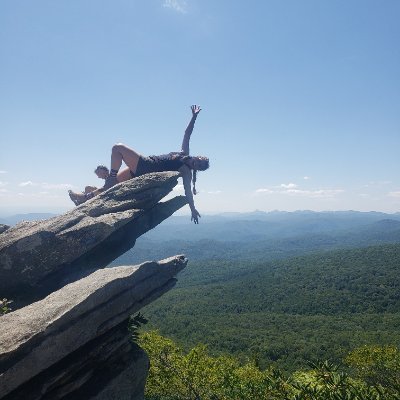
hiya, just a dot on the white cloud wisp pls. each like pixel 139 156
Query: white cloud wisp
pixel 179 6
pixel 47 186
pixel 292 189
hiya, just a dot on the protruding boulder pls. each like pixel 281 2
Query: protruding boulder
pixel 37 258
pixel 73 344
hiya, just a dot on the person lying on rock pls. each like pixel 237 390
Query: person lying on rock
pixel 139 165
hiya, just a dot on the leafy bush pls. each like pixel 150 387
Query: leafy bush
pixel 134 323
pixel 195 375
pixel 378 366
pixel 4 306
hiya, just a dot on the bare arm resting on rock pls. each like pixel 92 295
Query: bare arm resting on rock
pixel 139 165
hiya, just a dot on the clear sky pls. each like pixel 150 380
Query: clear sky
pixel 300 98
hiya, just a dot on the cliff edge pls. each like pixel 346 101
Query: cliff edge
pixel 37 258
pixel 70 338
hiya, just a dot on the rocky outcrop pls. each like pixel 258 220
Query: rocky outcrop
pixel 68 338
pixel 37 258
pixel 73 344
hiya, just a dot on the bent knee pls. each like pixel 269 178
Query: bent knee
pixel 118 147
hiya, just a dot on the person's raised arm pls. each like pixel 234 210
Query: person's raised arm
pixel 187 179
pixel 188 132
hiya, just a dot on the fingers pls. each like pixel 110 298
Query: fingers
pixel 195 217
pixel 195 109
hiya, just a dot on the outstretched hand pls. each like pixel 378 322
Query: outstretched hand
pixel 195 216
pixel 195 110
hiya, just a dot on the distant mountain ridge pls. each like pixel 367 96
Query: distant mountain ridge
pixel 261 225
pixel 333 217
pixel 255 239
pixel 14 219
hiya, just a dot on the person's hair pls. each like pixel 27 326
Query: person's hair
pixel 103 167
pixel 202 164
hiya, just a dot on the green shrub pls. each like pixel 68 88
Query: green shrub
pixel 377 365
pixel 195 375
pixel 4 306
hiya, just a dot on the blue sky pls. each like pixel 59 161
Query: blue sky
pixel 301 99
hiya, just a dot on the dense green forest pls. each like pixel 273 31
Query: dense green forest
pixel 285 312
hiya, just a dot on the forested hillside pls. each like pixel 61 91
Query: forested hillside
pixel 316 306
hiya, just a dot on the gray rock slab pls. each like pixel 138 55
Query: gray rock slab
pixel 108 367
pixel 35 337
pixel 45 255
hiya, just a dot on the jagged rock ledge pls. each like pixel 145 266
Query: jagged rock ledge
pixel 74 343
pixel 37 258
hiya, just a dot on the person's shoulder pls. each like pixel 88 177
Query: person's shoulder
pixel 183 153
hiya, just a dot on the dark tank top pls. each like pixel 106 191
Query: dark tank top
pixel 164 162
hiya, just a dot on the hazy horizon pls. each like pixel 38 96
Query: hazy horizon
pixel 221 213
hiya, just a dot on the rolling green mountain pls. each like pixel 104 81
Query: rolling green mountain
pixel 321 305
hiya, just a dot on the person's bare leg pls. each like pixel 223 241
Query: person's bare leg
pixel 120 153
pixel 124 175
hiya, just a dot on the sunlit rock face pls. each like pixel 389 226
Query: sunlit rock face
pixel 37 258
pixel 75 342
pixel 67 337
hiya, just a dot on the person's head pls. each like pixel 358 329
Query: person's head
pixel 200 163
pixel 102 171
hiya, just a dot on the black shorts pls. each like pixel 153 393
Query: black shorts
pixel 144 166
